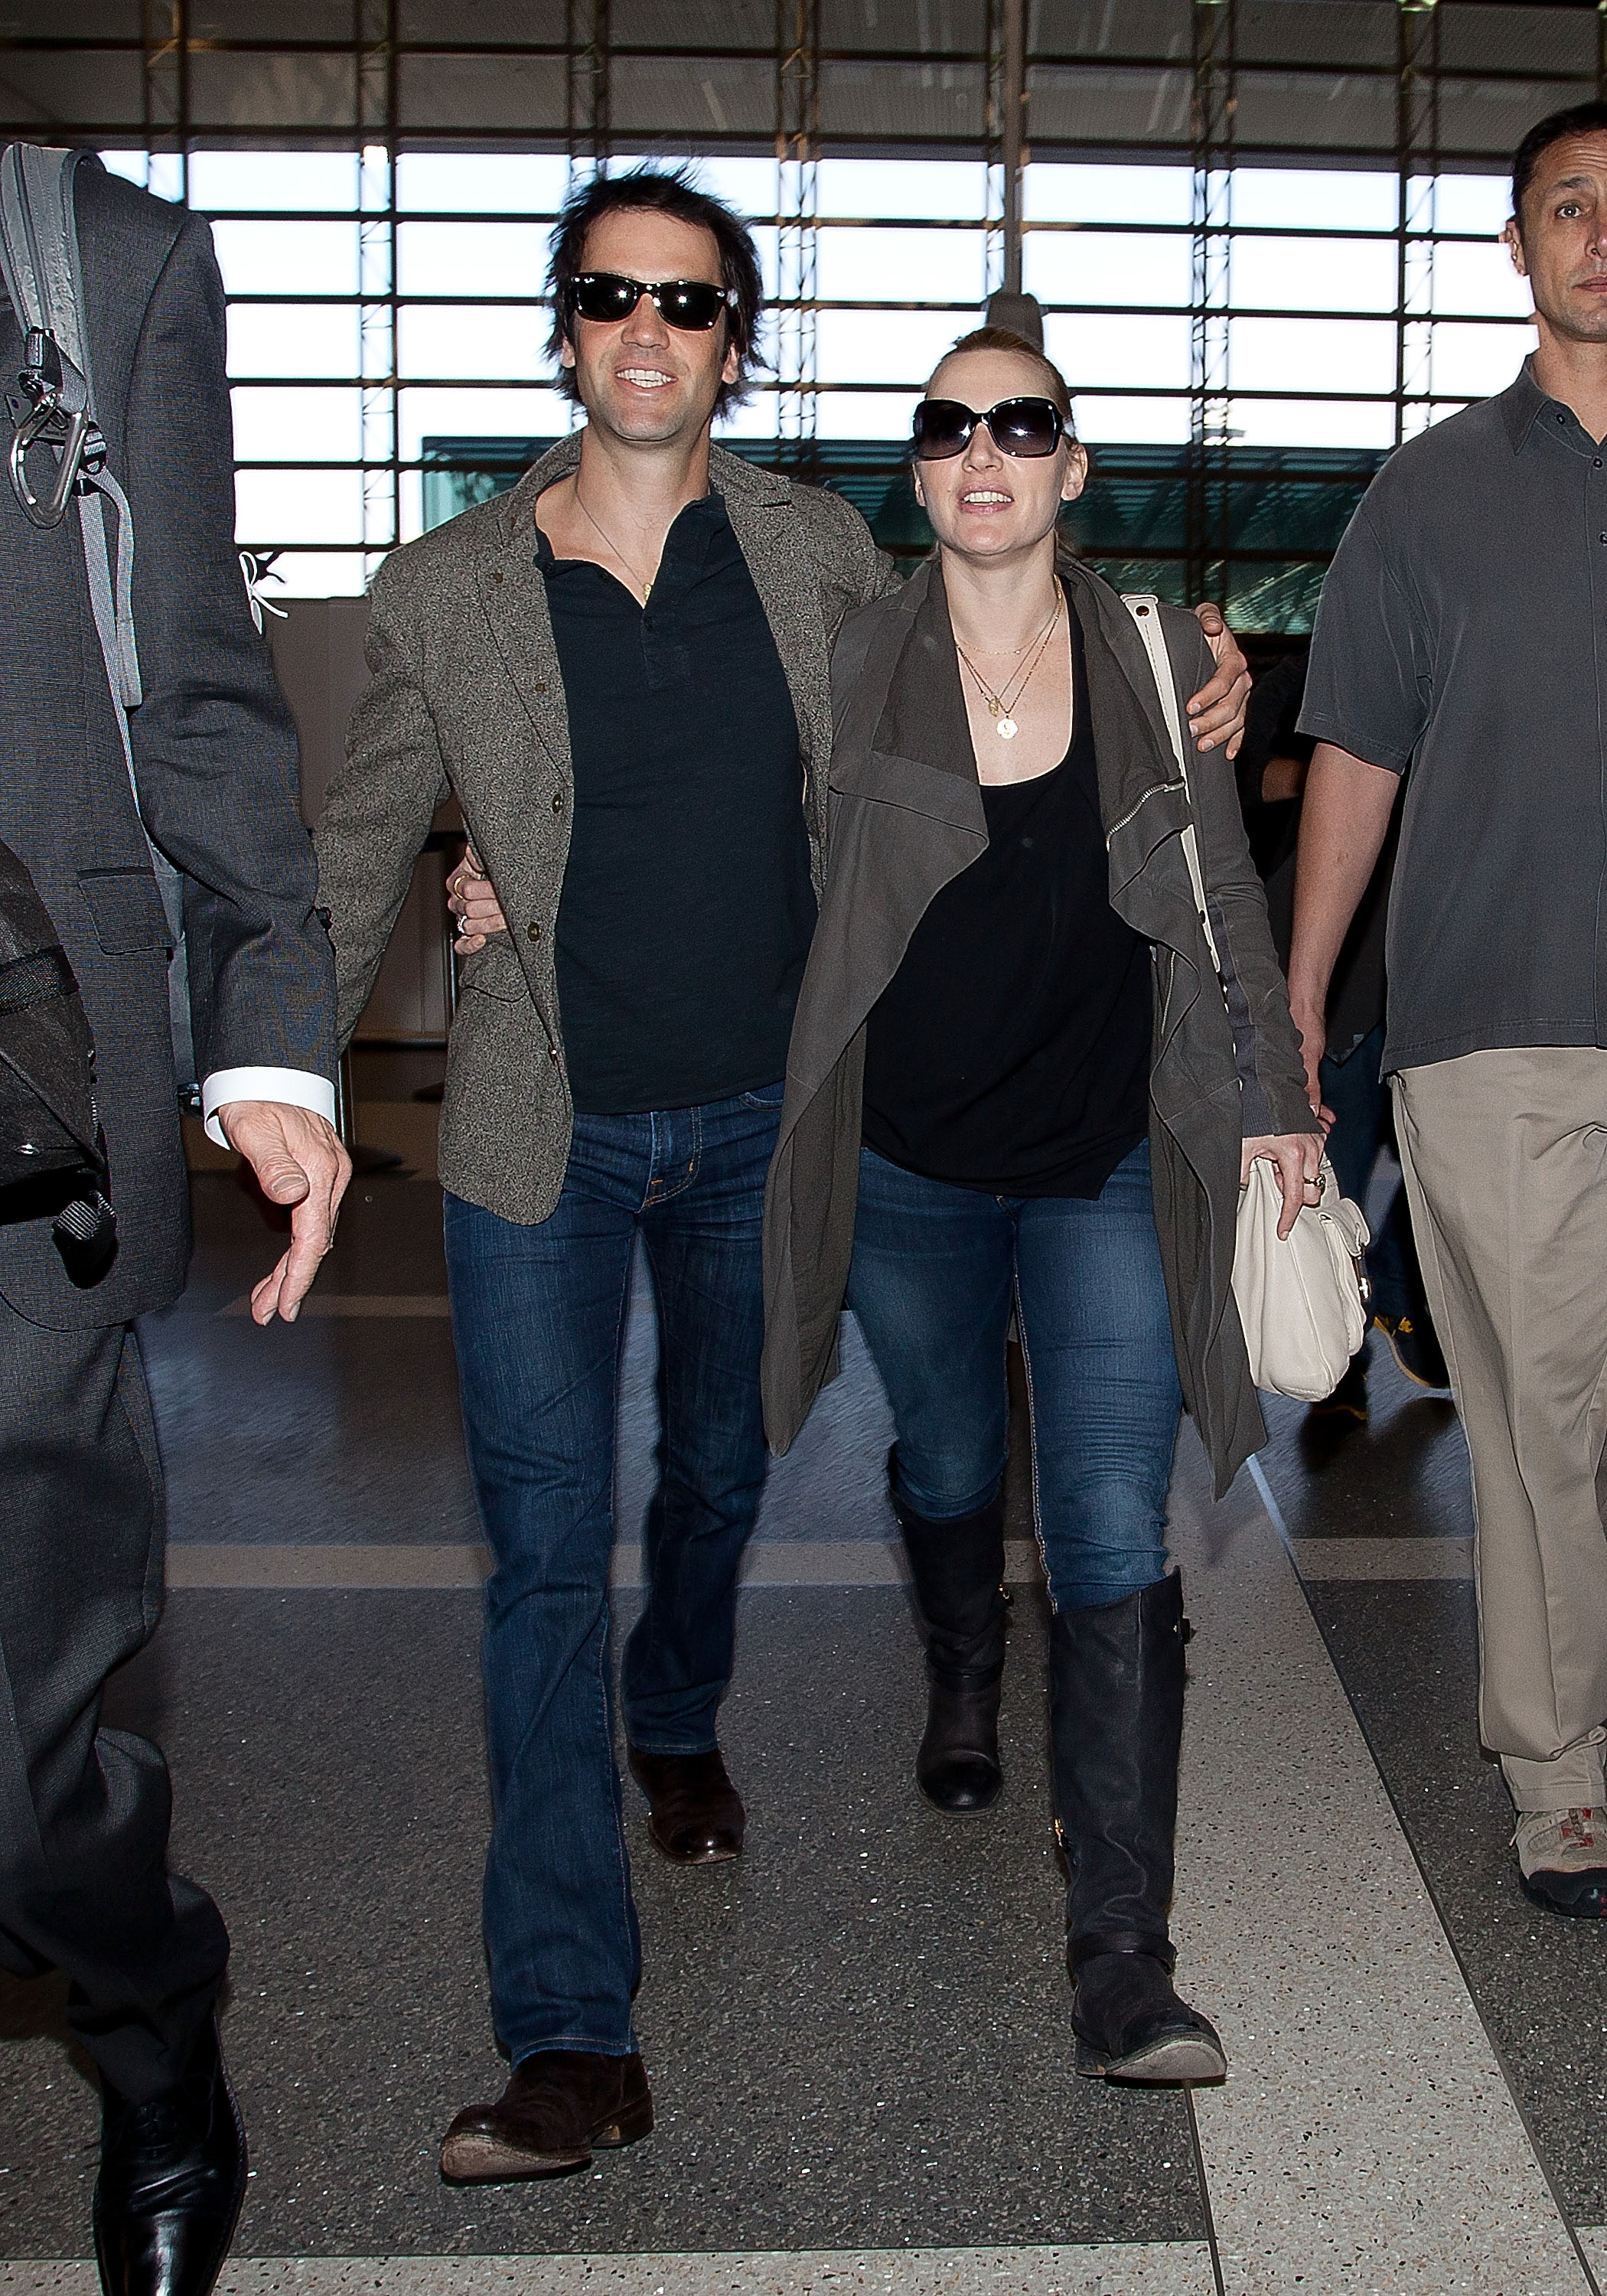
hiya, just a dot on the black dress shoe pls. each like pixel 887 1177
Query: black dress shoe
pixel 172 2178
pixel 557 2107
pixel 696 1815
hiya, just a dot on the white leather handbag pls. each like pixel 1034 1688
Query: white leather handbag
pixel 1302 1299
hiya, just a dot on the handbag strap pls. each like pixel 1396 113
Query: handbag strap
pixel 1145 609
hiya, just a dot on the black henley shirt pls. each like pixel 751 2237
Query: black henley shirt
pixel 687 908
pixel 1462 639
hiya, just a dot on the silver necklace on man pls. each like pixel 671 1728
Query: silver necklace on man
pixel 634 571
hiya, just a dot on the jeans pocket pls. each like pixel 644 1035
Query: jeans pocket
pixel 768 1095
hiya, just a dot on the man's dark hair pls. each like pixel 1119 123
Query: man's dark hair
pixel 660 191
pixel 1578 119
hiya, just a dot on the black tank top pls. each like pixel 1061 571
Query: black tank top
pixel 1010 1050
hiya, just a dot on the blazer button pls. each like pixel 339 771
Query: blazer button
pixel 540 686
pixel 534 931
pixel 553 1054
pixel 558 802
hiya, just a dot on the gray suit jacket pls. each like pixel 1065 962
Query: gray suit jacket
pixel 214 748
pixel 467 696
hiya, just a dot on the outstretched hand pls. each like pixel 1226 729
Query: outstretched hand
pixel 300 1165
pixel 1217 712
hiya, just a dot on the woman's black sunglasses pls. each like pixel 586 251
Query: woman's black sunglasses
pixel 692 305
pixel 1024 427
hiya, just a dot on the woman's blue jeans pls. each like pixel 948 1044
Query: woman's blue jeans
pixel 936 1271
pixel 538 1318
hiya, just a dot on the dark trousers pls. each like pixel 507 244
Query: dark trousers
pixel 538 1318
pixel 1363 1123
pixel 84 1810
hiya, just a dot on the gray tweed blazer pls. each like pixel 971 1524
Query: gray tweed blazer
pixel 467 696
pixel 214 747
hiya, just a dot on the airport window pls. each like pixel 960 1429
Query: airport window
pixel 1263 257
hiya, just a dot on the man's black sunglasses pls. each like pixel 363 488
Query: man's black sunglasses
pixel 1024 427
pixel 692 305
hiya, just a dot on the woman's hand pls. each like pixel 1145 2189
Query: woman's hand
pixel 474 904
pixel 1215 714
pixel 1298 1157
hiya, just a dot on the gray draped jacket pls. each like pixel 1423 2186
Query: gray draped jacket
pixel 905 817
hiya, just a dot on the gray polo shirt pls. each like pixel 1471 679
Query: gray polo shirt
pixel 1463 635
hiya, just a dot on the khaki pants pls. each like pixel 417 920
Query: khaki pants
pixel 1506 1161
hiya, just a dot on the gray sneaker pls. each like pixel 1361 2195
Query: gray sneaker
pixel 1563 1860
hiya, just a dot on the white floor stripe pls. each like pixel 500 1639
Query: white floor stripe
pixel 1365 2138
pixel 199 1563
pixel 1382 1558
pixel 1158 2269
pixel 769 1562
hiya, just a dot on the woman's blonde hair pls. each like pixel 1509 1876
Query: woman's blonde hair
pixel 1001 338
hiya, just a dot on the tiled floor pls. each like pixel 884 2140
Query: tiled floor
pixel 1405 1650
pixel 858 2035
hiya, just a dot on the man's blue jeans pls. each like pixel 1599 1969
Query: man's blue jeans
pixel 937 1269
pixel 538 1316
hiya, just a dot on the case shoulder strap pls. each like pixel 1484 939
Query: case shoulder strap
pixel 44 276
pixel 39 245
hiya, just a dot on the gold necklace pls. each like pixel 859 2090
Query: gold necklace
pixel 1001 704
pixel 998 653
pixel 633 570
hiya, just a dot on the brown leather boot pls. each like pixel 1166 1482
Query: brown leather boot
pixel 696 1815
pixel 556 2108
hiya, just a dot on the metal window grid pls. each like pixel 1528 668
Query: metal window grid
pixel 590 40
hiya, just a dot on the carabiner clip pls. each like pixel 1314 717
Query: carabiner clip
pixel 49 509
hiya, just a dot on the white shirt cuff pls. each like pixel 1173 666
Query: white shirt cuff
pixel 294 1087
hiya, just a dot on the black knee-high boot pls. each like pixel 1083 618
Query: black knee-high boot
pixel 1116 1677
pixel 958 1568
